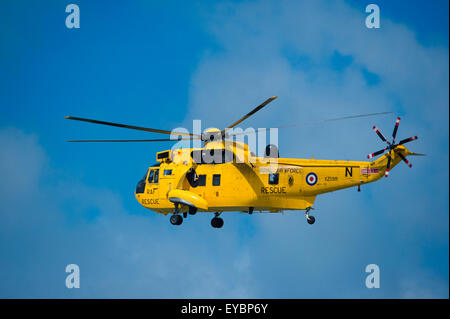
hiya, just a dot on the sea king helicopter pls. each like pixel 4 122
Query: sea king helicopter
pixel 226 176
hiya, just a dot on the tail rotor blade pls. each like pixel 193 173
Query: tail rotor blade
pixel 380 135
pixel 386 174
pixel 407 140
pixel 403 158
pixel 394 134
pixel 376 153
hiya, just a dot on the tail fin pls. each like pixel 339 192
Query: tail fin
pixel 386 162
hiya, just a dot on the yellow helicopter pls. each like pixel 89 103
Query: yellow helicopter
pixel 225 175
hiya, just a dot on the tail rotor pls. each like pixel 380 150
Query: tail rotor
pixel 392 147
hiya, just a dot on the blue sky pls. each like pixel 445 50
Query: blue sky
pixel 164 64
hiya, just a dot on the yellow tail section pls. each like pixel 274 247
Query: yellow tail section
pixel 381 163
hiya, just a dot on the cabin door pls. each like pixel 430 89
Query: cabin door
pixel 153 183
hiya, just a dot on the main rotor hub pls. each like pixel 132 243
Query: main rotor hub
pixel 212 134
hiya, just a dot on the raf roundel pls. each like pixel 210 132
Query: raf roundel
pixel 311 179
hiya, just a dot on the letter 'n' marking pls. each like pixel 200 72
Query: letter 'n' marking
pixel 349 171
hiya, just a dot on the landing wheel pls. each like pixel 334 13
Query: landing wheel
pixel 310 219
pixel 217 222
pixel 176 219
pixel 192 210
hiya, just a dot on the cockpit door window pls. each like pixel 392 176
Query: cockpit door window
pixel 150 176
pixel 153 176
pixel 156 177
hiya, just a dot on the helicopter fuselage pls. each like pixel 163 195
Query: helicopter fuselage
pixel 224 175
pixel 255 184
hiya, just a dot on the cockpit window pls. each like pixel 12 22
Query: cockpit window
pixel 140 188
pixel 145 176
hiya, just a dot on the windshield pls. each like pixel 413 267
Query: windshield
pixel 141 184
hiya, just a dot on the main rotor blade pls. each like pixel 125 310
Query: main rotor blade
pixel 152 140
pixel 403 158
pixel 407 140
pixel 316 122
pixel 130 126
pixel 256 109
pixel 376 153
pixel 380 135
pixel 397 122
